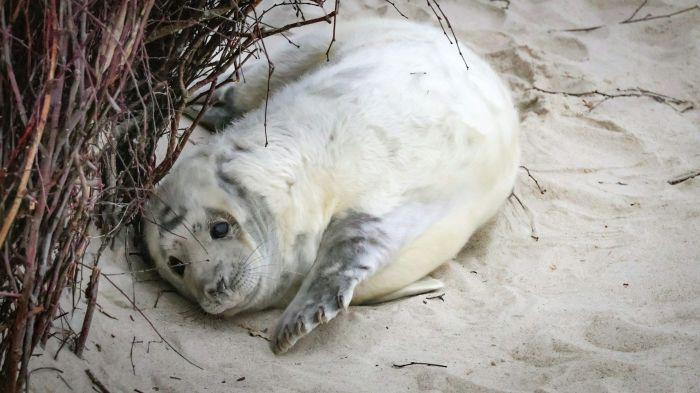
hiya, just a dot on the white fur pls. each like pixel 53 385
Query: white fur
pixel 393 125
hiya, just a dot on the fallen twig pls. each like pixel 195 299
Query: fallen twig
pixel 100 386
pixel 653 17
pixel 582 29
pixel 675 103
pixel 65 382
pixel 533 233
pixel 91 293
pixel 635 11
pixel 394 365
pixel 396 8
pixel 255 333
pixel 160 293
pixel 441 297
pixel 542 190
pixel 334 14
pixel 440 18
pixel 148 345
pixel 106 314
pixel 131 354
pixel 631 19
pixel 151 324
pixel 58 370
pixel 683 178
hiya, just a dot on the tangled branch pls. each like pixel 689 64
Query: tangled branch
pixel 88 89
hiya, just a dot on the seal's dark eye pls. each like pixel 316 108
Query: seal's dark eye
pixel 176 265
pixel 219 230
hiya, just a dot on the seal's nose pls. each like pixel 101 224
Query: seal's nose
pixel 215 289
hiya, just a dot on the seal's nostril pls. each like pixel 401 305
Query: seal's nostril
pixel 219 289
pixel 221 285
pixel 176 265
pixel 212 292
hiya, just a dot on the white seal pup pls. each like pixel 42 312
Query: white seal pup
pixel 381 163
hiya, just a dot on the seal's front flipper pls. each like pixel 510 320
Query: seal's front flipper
pixel 424 285
pixel 353 246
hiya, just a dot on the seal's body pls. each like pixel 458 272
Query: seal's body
pixel 380 165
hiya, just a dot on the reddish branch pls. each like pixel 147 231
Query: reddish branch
pixel 87 90
pixel 91 294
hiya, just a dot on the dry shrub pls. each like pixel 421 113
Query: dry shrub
pixel 88 88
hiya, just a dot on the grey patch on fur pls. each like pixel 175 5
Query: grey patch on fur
pixel 392 145
pixel 304 251
pixel 347 237
pixel 260 224
pixel 170 219
pixel 352 247
pixel 239 147
pixel 352 74
pixel 172 223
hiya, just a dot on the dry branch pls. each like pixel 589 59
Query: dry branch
pixel 631 18
pixel 677 104
pixel 87 90
pixel 686 177
pixel 418 364
pixel 91 294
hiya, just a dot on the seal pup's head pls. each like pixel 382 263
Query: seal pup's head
pixel 204 239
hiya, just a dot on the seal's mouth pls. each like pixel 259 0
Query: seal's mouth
pixel 214 308
pixel 226 301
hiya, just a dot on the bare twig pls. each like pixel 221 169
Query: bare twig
pixel 440 296
pixel 631 18
pixel 396 8
pixel 542 190
pixel 29 161
pixel 91 293
pixel 335 14
pixel 653 17
pixel 394 365
pixel 151 323
pixel 683 178
pixel 675 103
pixel 530 215
pixel 440 17
pixel 635 11
pixel 58 370
pixel 131 354
pixel 582 29
pixel 96 382
pixel 160 293
pixel 256 333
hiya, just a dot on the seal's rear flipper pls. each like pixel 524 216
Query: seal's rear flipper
pixel 424 285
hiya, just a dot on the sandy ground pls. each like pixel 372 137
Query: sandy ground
pixel 591 285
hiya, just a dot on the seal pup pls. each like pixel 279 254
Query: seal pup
pixel 380 165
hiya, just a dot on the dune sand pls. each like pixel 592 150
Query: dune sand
pixel 592 284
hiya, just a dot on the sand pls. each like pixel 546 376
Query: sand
pixel 591 285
